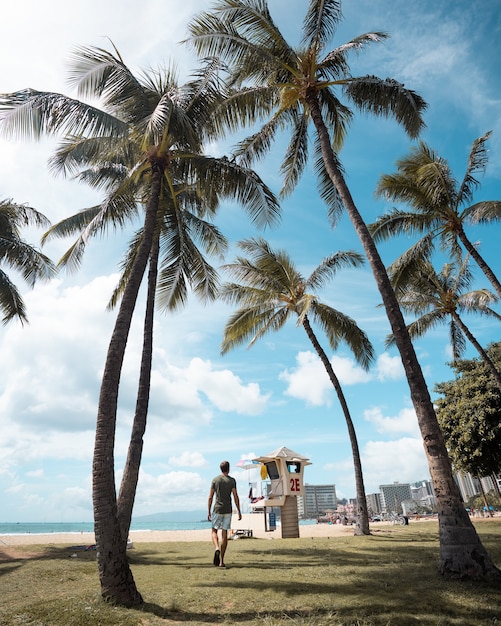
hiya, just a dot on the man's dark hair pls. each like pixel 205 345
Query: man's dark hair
pixel 225 466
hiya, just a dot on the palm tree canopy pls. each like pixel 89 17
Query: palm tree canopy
pixel 273 80
pixel 440 205
pixel 270 289
pixel 17 255
pixel 144 123
pixel 438 297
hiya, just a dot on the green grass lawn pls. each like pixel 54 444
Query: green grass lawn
pixel 387 579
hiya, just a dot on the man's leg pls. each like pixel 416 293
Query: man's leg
pixel 224 543
pixel 215 539
pixel 215 543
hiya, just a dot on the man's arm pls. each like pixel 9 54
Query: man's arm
pixel 236 499
pixel 209 503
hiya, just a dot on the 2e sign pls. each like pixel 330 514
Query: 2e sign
pixel 295 485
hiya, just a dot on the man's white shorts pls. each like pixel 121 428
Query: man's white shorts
pixel 221 521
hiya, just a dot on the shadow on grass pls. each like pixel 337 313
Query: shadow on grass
pixel 375 614
pixel 386 579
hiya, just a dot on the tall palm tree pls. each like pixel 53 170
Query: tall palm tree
pixel 20 256
pixel 439 297
pixel 440 207
pixel 271 290
pixel 161 126
pixel 288 87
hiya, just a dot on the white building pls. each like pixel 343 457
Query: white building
pixel 393 495
pixel 316 500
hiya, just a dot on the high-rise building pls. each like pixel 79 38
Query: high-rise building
pixel 373 503
pixel 468 485
pixel 317 499
pixel 393 495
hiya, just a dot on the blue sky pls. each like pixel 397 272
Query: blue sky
pixel 205 407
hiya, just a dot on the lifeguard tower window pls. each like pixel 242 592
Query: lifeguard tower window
pixel 272 469
pixel 293 467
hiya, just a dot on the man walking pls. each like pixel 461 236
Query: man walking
pixel 223 487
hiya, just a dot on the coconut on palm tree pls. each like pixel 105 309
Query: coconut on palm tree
pixel 288 87
pixel 439 206
pixel 154 129
pixel 16 254
pixel 440 297
pixel 271 290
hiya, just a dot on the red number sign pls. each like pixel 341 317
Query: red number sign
pixel 295 486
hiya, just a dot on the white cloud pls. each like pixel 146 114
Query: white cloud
pixel 225 390
pixel 170 491
pixel 402 460
pixel 383 462
pixel 310 382
pixel 389 368
pixel 404 422
pixel 188 459
pixel 38 473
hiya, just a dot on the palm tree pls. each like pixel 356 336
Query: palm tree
pixel 161 127
pixel 439 206
pixel 288 87
pixel 20 256
pixel 176 265
pixel 271 292
pixel 438 297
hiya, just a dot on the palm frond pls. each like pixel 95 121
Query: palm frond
pixel 328 268
pixel 14 215
pixel 336 115
pixel 340 327
pixel 484 212
pixel 31 264
pixel 457 340
pixel 477 162
pixel 396 222
pixel 320 22
pixel 385 98
pixel 408 264
pixel 255 147
pixel 296 157
pixel 31 114
pixel 11 302
pixel 326 188
pixel 337 58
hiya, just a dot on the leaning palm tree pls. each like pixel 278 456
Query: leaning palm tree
pixel 271 290
pixel 161 126
pixel 440 297
pixel 177 266
pixel 440 207
pixel 20 256
pixel 287 87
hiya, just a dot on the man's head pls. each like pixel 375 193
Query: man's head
pixel 225 467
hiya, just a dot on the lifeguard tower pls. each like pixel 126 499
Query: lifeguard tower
pixel 284 470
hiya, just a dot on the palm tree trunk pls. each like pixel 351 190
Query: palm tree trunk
pixel 362 523
pixel 461 551
pixel 483 354
pixel 117 582
pixel 479 260
pixel 130 475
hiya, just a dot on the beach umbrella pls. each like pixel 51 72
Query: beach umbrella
pixel 248 464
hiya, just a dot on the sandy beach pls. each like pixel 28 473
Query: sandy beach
pixel 248 522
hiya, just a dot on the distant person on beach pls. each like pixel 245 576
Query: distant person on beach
pixel 223 487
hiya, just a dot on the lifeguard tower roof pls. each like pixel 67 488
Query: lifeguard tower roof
pixel 286 454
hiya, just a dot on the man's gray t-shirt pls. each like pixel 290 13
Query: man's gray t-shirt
pixel 223 486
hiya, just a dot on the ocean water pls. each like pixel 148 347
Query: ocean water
pixel 20 528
